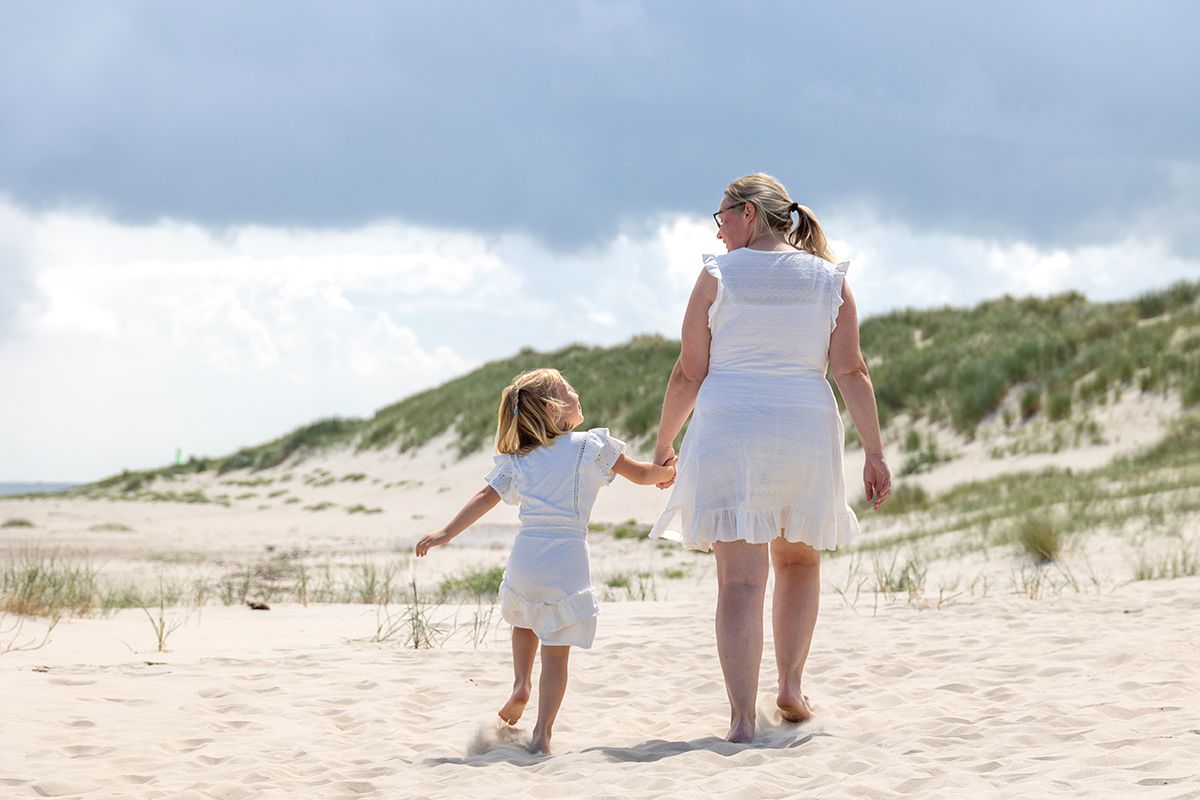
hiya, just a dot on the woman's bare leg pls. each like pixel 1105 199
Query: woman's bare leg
pixel 794 616
pixel 742 570
pixel 524 649
pixel 551 688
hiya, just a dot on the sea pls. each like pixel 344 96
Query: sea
pixel 26 488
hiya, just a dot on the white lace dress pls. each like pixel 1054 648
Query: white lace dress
pixel 763 452
pixel 547 583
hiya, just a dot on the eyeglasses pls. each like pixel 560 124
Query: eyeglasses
pixel 717 214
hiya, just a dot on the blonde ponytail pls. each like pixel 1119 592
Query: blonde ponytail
pixel 775 208
pixel 808 234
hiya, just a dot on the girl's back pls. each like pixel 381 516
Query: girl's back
pixel 557 483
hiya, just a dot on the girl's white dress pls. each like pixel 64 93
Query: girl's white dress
pixel 547 583
pixel 763 452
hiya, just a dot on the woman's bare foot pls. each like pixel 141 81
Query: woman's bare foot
pixel 512 710
pixel 540 743
pixel 793 706
pixel 741 732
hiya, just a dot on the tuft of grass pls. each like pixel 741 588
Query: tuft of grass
pixel 16 522
pixel 631 586
pixel 904 499
pixel 110 527
pixel 359 508
pixel 907 578
pixel 322 506
pixel 1031 402
pixel 1182 562
pixel 39 584
pixel 1059 407
pixel 1039 538
pixel 472 584
pixel 163 626
pixel 629 529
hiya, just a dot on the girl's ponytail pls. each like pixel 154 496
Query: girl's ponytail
pixel 529 411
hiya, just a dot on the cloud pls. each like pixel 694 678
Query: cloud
pixel 1053 124
pixel 16 282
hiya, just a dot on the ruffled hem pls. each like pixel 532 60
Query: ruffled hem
pixel 545 619
pixel 700 529
pixel 841 269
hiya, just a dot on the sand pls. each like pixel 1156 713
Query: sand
pixel 1078 696
pixel 969 689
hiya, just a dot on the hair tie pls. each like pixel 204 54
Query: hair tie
pixel 794 207
pixel 516 399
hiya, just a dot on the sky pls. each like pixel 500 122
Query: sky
pixel 220 221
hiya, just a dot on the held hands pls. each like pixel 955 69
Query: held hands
pixel 664 456
pixel 877 479
pixel 431 540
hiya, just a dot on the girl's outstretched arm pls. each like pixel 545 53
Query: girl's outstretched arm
pixel 483 501
pixel 642 473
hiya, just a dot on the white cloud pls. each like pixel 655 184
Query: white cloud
pixel 133 340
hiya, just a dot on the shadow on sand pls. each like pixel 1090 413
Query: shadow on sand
pixel 502 744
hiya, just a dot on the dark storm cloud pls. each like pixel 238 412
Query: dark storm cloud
pixel 1051 122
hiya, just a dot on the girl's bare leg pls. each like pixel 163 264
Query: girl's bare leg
pixel 551 688
pixel 524 649
pixel 741 586
pixel 794 616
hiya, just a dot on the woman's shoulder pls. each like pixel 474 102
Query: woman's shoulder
pixel 834 269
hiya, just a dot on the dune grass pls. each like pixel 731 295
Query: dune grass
pixel 1038 537
pixel 479 582
pixel 49 584
pixel 1020 358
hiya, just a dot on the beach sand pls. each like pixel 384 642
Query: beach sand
pixel 977 686
pixel 1075 696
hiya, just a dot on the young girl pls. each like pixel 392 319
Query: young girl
pixel 555 474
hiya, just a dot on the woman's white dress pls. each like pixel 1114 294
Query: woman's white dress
pixel 763 452
pixel 547 583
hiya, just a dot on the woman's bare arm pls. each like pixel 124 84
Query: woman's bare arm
pixel 849 370
pixel 690 369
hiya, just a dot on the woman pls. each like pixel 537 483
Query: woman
pixel 759 475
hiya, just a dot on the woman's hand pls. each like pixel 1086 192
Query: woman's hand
pixel 664 456
pixel 430 540
pixel 877 479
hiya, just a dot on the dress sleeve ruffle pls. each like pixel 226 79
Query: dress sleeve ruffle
pixel 713 267
pixel 601 451
pixel 503 478
pixel 840 279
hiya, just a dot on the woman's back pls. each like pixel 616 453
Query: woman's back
pixel 773 313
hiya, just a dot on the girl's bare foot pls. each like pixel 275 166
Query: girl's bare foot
pixel 512 710
pixel 540 743
pixel 741 731
pixel 793 706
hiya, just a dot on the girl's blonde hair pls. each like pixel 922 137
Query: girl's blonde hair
pixel 775 208
pixel 530 409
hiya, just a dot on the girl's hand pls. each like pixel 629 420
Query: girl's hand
pixel 877 479
pixel 430 540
